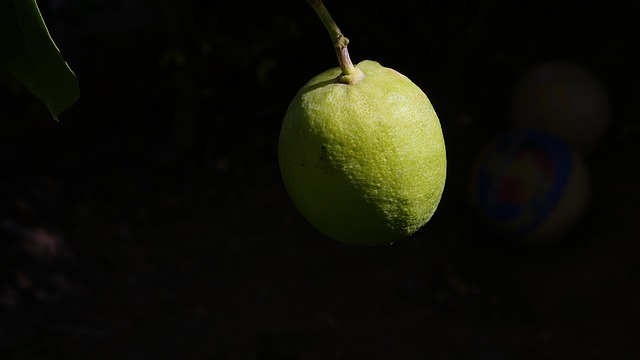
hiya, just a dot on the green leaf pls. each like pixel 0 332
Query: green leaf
pixel 28 52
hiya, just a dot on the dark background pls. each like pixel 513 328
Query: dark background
pixel 151 221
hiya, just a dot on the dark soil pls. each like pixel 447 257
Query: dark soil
pixel 151 221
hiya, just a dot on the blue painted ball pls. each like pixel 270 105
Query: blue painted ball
pixel 529 186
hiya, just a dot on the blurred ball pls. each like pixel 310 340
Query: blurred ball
pixel 529 186
pixel 565 99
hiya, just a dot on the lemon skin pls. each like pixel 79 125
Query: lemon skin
pixel 365 163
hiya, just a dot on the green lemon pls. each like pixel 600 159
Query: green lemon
pixel 363 160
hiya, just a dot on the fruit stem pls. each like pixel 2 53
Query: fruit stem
pixel 350 74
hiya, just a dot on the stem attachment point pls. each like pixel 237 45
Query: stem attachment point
pixel 350 74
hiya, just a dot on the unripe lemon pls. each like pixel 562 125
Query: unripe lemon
pixel 364 161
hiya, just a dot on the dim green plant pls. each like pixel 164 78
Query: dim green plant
pixel 29 54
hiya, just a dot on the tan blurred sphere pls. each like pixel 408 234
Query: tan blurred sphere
pixel 564 98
